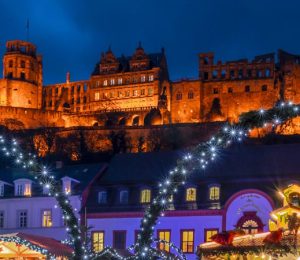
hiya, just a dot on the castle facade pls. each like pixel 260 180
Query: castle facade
pixel 137 91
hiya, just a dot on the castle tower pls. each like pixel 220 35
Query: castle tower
pixel 22 73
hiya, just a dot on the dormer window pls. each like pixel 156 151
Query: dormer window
pixel 214 192
pixel 67 184
pixel 22 187
pixel 145 196
pixel 124 196
pixel 1 189
pixel 191 194
pixel 102 197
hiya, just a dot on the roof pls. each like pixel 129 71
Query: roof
pixel 155 61
pixel 244 244
pixel 83 173
pixel 53 246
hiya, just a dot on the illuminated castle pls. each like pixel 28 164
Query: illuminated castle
pixel 136 90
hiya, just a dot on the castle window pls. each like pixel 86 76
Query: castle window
pixel 145 196
pixel 78 100
pixel 249 73
pixel 50 103
pixel 31 66
pixel 151 77
pixel 72 101
pixel 120 81
pixel 22 75
pixel 179 96
pixel 134 80
pixel 247 88
pixel 205 75
pixel 134 92
pixel 258 73
pixel 9 75
pixel 105 82
pixel 78 88
pixel 231 73
pixel 214 192
pixel 240 74
pixel 215 91
pixel 127 93
pixel 264 88
pixel 190 194
pixel 143 78
pixel 150 91
pixel 124 196
pixel 84 99
pixel 97 96
pixel 10 63
pixel 22 64
pixel 72 90
pixel 102 197
pixel 120 94
pixel 111 94
pixel 190 95
pixel 56 90
pixel 230 90
pixel 142 92
pixel 267 73
pixel 112 82
pixel 223 74
pixel 215 74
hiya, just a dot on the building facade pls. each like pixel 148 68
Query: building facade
pixel 238 191
pixel 136 90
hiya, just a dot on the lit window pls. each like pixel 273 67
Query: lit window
pixel 166 236
pixel 209 233
pixel 67 186
pixel 191 194
pixel 250 227
pixel 150 91
pixel 102 197
pixel 190 95
pixel 97 96
pixel 145 196
pixel 1 219
pixel 135 92
pixel 214 193
pixel 1 189
pixel 124 196
pixel 98 241
pixel 179 96
pixel 120 94
pixel 120 81
pixel 187 241
pixel 22 219
pixel 142 92
pixel 105 82
pixel 112 82
pixel 97 85
pixel 47 218
pixel 143 78
pixel 151 77
pixel 23 189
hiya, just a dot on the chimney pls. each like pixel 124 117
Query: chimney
pixel 68 77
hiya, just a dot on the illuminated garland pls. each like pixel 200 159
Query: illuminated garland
pixel 198 158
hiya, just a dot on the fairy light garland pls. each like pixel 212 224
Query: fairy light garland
pixel 198 158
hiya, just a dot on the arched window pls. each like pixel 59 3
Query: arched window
pixel 214 192
pixel 179 96
pixel 124 196
pixel 250 223
pixel 190 94
pixel 191 194
pixel 145 196
pixel 250 227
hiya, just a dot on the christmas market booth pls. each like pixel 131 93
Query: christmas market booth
pixel 282 242
pixel 27 246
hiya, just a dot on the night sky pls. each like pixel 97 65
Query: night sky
pixel 72 34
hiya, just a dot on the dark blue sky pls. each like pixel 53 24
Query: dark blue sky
pixel 71 34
